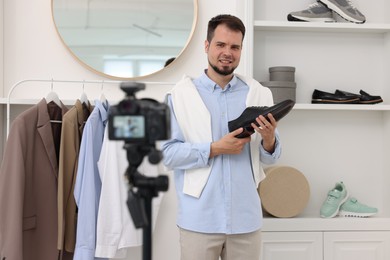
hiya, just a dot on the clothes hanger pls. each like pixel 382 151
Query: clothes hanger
pixel 102 96
pixel 103 99
pixel 83 97
pixel 52 96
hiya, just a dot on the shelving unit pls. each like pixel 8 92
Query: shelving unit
pixel 329 143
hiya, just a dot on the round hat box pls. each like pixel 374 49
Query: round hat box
pixel 284 192
pixel 282 73
pixel 281 90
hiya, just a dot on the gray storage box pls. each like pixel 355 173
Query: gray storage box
pixel 281 90
pixel 282 73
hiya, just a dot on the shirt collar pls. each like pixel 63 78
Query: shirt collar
pixel 211 86
pixel 103 110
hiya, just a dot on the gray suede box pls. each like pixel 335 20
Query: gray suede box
pixel 282 73
pixel 281 90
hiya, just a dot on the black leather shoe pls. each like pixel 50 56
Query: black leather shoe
pixel 249 115
pixel 364 97
pixel 322 97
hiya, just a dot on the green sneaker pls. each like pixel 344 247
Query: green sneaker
pixel 352 208
pixel 337 196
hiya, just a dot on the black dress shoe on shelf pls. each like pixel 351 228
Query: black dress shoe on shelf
pixel 364 97
pixel 322 97
pixel 249 115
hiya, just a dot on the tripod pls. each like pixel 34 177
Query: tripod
pixel 142 191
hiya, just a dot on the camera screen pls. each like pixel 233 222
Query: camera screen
pixel 128 126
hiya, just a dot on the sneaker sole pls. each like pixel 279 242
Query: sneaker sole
pixel 338 208
pixel 296 18
pixel 340 12
pixel 348 214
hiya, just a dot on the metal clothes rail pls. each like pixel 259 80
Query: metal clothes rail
pixel 19 83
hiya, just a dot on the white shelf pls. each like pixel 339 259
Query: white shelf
pixel 260 25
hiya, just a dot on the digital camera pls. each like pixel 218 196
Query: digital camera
pixel 138 121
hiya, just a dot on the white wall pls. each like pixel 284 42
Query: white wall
pixel 1 75
pixel 33 50
pixel 1 44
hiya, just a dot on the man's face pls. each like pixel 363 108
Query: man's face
pixel 224 50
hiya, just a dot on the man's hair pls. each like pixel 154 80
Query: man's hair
pixel 169 61
pixel 232 22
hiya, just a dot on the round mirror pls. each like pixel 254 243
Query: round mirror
pixel 125 39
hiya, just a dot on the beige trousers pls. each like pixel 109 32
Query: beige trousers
pixel 196 246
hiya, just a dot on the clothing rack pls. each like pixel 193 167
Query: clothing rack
pixel 19 83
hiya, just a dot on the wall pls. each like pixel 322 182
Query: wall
pixel 33 50
pixel 1 75
pixel 1 43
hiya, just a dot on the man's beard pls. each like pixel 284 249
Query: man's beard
pixel 225 70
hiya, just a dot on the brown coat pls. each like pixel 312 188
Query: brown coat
pixel 28 186
pixel 72 130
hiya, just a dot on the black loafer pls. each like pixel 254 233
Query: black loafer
pixel 364 97
pixel 249 115
pixel 322 97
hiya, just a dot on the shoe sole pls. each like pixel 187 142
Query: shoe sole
pixel 293 18
pixel 340 12
pixel 338 208
pixel 349 214
pixel 376 101
pixel 330 101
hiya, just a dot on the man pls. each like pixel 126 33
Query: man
pixel 217 174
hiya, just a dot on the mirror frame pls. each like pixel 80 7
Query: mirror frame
pixel 194 23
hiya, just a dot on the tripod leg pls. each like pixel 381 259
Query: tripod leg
pixel 147 231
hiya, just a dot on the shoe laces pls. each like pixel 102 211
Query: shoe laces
pixel 315 4
pixel 351 4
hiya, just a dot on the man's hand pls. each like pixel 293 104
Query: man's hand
pixel 267 131
pixel 229 144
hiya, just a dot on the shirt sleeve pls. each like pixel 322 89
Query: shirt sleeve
pixel 271 158
pixel 178 154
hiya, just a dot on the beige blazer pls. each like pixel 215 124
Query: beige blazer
pixel 72 130
pixel 28 185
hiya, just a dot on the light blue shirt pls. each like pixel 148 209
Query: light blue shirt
pixel 229 203
pixel 88 184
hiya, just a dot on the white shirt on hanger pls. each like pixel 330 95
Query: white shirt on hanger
pixel 115 229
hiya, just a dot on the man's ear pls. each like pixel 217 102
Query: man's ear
pixel 206 46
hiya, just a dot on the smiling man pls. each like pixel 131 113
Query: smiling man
pixel 217 174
